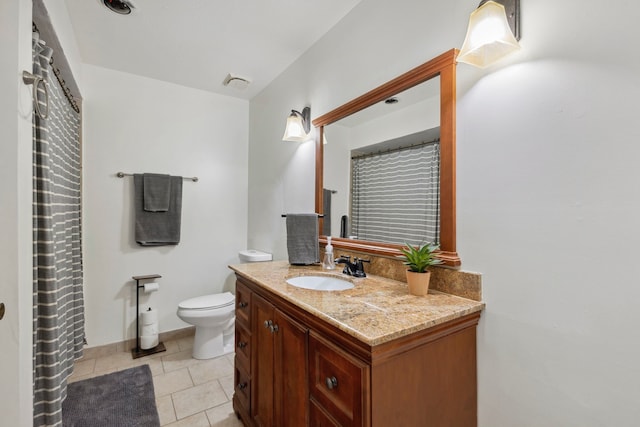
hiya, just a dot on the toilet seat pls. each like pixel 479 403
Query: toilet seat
pixel 208 302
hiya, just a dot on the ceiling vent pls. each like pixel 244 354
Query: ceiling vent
pixel 121 7
pixel 239 83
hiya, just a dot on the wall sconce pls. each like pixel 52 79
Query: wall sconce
pixel 493 32
pixel 298 126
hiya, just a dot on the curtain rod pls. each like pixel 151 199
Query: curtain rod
pixel 393 150
pixel 122 175
pixel 56 72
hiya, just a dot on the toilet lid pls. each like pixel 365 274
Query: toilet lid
pixel 208 301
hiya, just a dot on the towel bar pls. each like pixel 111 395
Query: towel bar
pixel 122 175
pixel 319 216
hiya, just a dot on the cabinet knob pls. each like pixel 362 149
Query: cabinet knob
pixel 242 386
pixel 267 324
pixel 242 344
pixel 274 328
pixel 243 304
pixel 332 382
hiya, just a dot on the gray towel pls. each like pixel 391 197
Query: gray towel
pixel 157 228
pixel 302 239
pixel 156 192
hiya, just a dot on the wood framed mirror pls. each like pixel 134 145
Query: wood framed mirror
pixel 444 67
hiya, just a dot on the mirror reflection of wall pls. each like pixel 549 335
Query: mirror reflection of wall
pixel 415 118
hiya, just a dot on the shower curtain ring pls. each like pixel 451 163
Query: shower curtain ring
pixel 31 79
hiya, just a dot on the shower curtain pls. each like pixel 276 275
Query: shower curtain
pixel 58 306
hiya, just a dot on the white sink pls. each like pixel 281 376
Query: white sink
pixel 320 283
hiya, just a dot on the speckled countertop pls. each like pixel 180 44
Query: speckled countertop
pixel 375 310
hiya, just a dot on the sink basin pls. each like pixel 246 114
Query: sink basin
pixel 320 283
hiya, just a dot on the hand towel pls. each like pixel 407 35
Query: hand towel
pixel 157 228
pixel 156 192
pixel 302 239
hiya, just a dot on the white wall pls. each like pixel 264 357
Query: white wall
pixel 548 199
pixel 59 16
pixel 16 327
pixel 135 124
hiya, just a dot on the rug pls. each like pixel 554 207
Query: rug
pixel 121 399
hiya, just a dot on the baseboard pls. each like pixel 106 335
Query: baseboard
pixel 127 345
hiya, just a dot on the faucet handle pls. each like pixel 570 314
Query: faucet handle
pixel 359 271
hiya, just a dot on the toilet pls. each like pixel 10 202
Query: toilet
pixel 214 316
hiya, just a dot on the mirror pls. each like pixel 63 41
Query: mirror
pixel 426 92
pixel 382 169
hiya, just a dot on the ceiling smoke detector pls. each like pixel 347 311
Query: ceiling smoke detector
pixel 121 7
pixel 236 82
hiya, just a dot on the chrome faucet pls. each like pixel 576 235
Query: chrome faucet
pixel 355 269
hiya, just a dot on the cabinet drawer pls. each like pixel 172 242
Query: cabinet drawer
pixel 243 305
pixel 319 418
pixel 243 348
pixel 337 381
pixel 242 389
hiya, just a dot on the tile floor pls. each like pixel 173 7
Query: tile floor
pixel 189 392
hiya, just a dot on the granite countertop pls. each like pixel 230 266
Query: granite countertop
pixel 375 310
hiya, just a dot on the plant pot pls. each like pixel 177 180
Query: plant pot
pixel 418 282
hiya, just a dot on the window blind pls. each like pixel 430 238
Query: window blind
pixel 395 195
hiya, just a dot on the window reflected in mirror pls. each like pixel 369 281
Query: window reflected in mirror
pixel 382 169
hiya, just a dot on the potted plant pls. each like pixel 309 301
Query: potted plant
pixel 418 259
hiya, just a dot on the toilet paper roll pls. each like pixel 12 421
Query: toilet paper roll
pixel 148 330
pixel 151 287
pixel 149 317
pixel 147 342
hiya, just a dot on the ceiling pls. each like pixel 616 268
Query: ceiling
pixel 196 43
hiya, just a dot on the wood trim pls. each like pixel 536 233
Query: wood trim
pixel 420 74
pixel 319 176
pixel 444 66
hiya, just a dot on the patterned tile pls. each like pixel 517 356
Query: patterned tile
pixel 171 382
pixel 189 392
pixel 211 369
pixel 165 410
pixel 198 399
pixel 223 416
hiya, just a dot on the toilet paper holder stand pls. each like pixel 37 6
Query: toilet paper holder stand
pixel 137 352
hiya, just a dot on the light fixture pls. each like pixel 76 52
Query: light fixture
pixel 493 32
pixel 298 126
pixel 121 7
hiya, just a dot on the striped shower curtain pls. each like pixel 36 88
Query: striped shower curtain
pixel 58 307
pixel 395 195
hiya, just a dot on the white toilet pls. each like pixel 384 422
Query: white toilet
pixel 214 316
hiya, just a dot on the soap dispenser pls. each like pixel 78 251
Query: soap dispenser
pixel 328 263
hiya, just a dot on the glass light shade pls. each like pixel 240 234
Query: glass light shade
pixel 489 36
pixel 294 131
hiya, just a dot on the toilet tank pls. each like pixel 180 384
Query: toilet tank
pixel 252 255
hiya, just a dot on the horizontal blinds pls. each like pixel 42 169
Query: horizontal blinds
pixel 396 195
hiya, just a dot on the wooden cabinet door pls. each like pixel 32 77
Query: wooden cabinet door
pixel 291 392
pixel 262 357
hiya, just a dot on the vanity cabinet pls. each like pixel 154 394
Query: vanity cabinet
pixel 305 371
pixel 242 368
pixel 278 365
